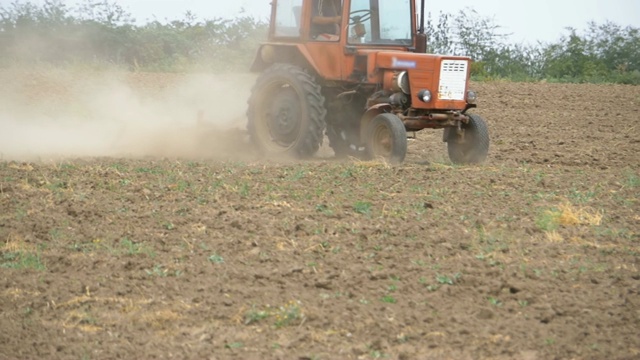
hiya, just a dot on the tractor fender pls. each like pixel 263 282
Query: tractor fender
pixel 372 112
pixel 271 53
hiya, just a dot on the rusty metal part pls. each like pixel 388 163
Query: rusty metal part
pixel 434 120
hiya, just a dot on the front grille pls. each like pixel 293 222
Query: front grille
pixel 453 79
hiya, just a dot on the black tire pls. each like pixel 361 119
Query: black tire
pixel 286 112
pixel 386 138
pixel 473 147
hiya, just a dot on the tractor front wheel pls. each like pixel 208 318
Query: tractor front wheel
pixel 386 138
pixel 286 112
pixel 472 146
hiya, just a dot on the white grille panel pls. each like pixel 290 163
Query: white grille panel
pixel 453 79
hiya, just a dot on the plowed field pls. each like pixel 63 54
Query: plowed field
pixel 129 230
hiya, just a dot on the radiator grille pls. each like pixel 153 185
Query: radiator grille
pixel 453 79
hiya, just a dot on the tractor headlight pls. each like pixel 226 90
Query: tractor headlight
pixel 472 97
pixel 402 82
pixel 425 95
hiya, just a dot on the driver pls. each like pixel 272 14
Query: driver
pixel 325 19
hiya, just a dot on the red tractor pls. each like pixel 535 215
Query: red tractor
pixel 358 71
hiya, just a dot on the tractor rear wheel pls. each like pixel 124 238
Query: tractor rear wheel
pixel 286 112
pixel 473 146
pixel 387 138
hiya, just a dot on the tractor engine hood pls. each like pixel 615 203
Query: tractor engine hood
pixel 445 77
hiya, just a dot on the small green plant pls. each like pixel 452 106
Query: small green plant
pixel 539 177
pixel 432 288
pixel 216 259
pixel 362 207
pixel 495 301
pixel 548 220
pixel 182 185
pixel 133 248
pixel 448 280
pixel 581 196
pixel 168 226
pixel 234 345
pixel 158 270
pixel 402 338
pixel 255 315
pixel 145 170
pixel 377 354
pixel 419 262
pixel 161 271
pixel 288 314
pixel 244 190
pixel 324 209
pixel 299 174
pixel 55 234
pixel 633 180
pixel 22 260
pixel 389 299
pixel 119 167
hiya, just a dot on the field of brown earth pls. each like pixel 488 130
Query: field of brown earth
pixel 128 229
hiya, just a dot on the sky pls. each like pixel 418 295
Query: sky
pixel 527 21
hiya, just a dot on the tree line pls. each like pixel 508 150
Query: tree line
pixel 101 32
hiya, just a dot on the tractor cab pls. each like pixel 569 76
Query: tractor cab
pixel 354 22
pixel 358 70
pixel 329 33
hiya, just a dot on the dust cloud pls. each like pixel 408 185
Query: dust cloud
pixel 52 113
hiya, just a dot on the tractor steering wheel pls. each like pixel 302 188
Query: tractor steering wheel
pixel 358 16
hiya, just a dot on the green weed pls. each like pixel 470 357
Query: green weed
pixel 633 180
pixel 254 316
pixel 362 207
pixel 448 280
pixel 22 260
pixel 298 175
pixel 145 170
pixel 432 287
pixel 581 197
pixel 548 220
pixel 288 314
pixel 129 247
pixel 119 167
pixel 388 299
pixel 494 301
pixel 168 226
pixel 158 270
pixel 244 190
pixel 324 209
pixel 216 259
